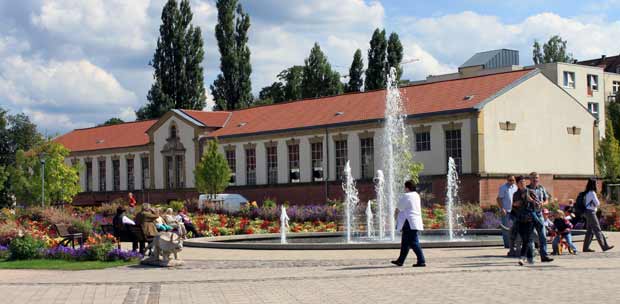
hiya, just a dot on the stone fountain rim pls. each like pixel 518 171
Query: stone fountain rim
pixel 236 241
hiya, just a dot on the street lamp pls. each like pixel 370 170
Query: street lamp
pixel 42 159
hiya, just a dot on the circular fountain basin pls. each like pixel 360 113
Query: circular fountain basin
pixel 436 238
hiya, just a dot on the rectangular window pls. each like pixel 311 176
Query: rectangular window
pixel 453 148
pixel 293 163
pixel 569 80
pixel 89 176
pixel 179 172
pixel 102 185
pixel 169 172
pixel 422 141
pixel 367 157
pixel 341 158
pixel 130 175
pixel 272 165
pixel 116 175
pixel 316 149
pixel 615 87
pixel 250 166
pixel 592 82
pixel 231 159
pixel 593 108
pixel 146 173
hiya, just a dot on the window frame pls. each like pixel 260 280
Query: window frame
pixel 595 105
pixel 271 154
pixel 231 160
pixel 131 182
pixel 566 83
pixel 367 150
pixel 340 154
pixel 423 144
pixel 293 162
pixel 102 175
pixel 250 166
pixel 89 176
pixel 146 173
pixel 316 160
pixel 592 82
pixel 454 147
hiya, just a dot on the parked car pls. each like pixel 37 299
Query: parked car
pixel 226 201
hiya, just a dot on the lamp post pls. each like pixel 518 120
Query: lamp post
pixel 42 159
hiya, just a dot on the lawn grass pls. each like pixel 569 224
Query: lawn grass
pixel 60 264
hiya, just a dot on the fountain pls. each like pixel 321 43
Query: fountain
pixel 395 147
pixel 452 190
pixel 369 218
pixel 283 224
pixel 350 200
pixel 389 181
pixel 380 191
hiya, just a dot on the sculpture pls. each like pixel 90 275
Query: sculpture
pixel 162 247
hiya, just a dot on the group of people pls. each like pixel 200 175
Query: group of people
pixel 524 205
pixel 151 221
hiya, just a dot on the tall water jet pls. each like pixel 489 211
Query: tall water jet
pixel 283 224
pixel 380 192
pixel 452 190
pixel 350 200
pixel 395 149
pixel 369 219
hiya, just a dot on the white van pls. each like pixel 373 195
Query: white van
pixel 229 202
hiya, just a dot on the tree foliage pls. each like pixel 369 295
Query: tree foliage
pixel 111 121
pixel 273 93
pixel 356 72
pixel 377 56
pixel 232 89
pixel 62 181
pixel 613 114
pixel 286 89
pixel 212 172
pixel 318 78
pixel 553 50
pixel 394 55
pixel 608 155
pixel 177 62
pixel 17 132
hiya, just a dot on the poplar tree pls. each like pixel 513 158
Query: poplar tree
pixel 232 89
pixel 394 55
pixel 177 62
pixel 376 71
pixel 356 71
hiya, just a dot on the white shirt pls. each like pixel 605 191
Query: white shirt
pixel 506 191
pixel 409 209
pixel 592 201
pixel 128 221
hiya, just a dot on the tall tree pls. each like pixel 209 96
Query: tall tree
pixel 554 50
pixel 318 77
pixel 608 155
pixel 62 181
pixel 17 132
pixel 212 172
pixel 356 71
pixel 613 114
pixel 394 55
pixel 111 121
pixel 537 56
pixel 178 76
pixel 292 79
pixel 232 89
pixel 376 71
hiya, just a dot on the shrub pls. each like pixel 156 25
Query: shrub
pixel 269 203
pixel 4 252
pixel 32 213
pixel 56 216
pixel 25 248
pixel 98 252
pixel 176 205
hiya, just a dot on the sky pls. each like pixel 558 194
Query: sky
pixel 75 63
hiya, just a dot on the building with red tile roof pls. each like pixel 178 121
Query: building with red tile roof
pixel 493 124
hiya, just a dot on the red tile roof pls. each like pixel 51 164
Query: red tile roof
pixel 209 119
pixel 115 136
pixel 418 99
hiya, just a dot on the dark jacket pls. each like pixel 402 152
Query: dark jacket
pixel 562 226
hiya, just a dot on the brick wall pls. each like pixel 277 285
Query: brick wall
pixel 473 189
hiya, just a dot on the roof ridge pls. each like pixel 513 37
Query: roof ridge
pixel 118 124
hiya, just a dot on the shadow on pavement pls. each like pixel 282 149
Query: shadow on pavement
pixel 364 267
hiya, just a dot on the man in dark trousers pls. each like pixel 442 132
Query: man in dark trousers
pixel 410 222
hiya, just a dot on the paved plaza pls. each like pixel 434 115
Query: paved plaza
pixel 465 275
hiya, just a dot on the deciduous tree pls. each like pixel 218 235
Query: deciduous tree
pixel 212 172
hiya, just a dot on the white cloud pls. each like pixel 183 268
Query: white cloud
pixel 101 23
pixel 51 124
pixel 127 114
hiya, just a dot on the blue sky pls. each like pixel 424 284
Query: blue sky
pixel 74 63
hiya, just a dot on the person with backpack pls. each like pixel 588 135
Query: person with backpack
pixel 541 198
pixel 593 227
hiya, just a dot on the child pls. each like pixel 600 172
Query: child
pixel 548 223
pixel 563 229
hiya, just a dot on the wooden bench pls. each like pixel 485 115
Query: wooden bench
pixel 63 232
pixel 137 232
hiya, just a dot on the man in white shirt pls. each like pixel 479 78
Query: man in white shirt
pixel 504 201
pixel 409 221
